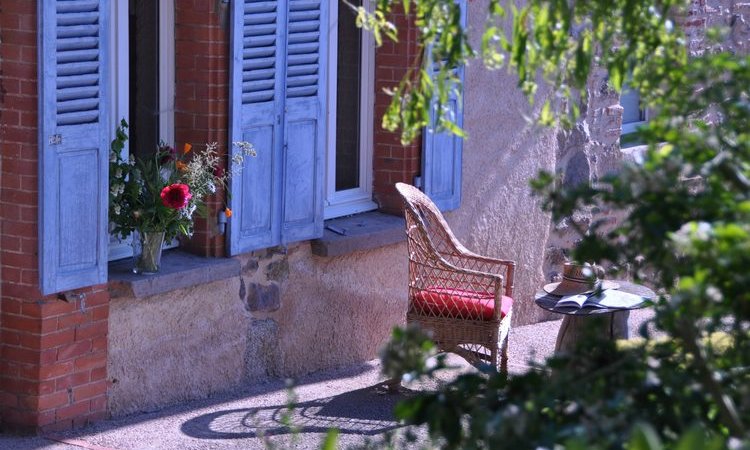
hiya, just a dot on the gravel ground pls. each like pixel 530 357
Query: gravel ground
pixel 351 399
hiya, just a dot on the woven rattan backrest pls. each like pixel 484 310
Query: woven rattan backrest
pixel 427 230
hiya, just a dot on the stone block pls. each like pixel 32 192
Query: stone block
pixel 263 297
pixel 278 270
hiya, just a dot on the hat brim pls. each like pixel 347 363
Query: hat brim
pixel 565 287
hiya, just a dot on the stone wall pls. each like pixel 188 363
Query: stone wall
pixel 592 149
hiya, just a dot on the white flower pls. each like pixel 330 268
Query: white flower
pixel 714 294
pixel 211 187
pixel 117 210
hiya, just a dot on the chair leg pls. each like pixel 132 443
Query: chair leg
pixel 504 361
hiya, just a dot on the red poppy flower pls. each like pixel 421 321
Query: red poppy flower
pixel 176 196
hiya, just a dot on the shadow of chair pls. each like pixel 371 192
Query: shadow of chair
pixel 463 299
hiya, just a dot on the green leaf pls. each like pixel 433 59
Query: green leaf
pixel 644 437
pixel 332 437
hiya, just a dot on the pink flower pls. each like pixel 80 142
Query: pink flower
pixel 176 196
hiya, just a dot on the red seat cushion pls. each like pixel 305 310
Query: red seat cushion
pixel 459 303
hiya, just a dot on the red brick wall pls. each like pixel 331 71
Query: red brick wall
pixel 392 161
pixel 53 354
pixel 202 95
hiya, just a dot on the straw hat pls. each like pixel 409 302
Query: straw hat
pixel 578 279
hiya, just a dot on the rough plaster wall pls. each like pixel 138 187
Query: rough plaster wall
pixel 337 311
pixel 177 346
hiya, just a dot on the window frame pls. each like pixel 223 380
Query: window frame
pixel 359 199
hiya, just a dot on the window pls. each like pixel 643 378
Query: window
pixel 142 49
pixel 634 115
pixel 349 146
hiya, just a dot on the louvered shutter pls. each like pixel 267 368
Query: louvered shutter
pixel 277 92
pixel 442 151
pixel 255 115
pixel 304 125
pixel 73 142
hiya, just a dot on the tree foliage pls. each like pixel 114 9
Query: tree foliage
pixel 687 208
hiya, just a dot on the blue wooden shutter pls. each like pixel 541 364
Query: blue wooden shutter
pixel 304 124
pixel 441 151
pixel 279 51
pixel 73 142
pixel 255 116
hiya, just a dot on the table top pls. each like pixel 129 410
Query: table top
pixel 548 301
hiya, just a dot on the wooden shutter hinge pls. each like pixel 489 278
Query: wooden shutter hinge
pixel 55 139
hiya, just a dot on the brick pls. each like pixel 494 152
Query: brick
pixel 98 374
pixel 18 260
pixel 47 356
pixel 8 400
pixel 91 390
pixel 12 338
pixel 21 387
pixel 99 344
pixel 55 370
pixel 46 387
pixel 57 307
pixel 71 321
pixel 93 361
pixel 99 313
pixel 10 243
pixel 57 425
pixel 25 371
pixel 72 351
pixel 95 416
pixel 45 418
pixel 97 298
pixel 54 400
pixel 20 418
pixel 20 354
pixel 99 404
pixel 72 380
pixel 71 411
pixel 57 339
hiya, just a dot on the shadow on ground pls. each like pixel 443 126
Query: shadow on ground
pixel 367 411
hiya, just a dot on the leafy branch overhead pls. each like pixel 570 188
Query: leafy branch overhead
pixel 557 41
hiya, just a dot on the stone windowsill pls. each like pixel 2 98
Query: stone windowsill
pixel 179 270
pixel 359 232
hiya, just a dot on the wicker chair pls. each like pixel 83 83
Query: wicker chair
pixel 463 299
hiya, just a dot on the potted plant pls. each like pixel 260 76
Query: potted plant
pixel 155 198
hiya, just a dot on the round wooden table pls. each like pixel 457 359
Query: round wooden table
pixel 607 323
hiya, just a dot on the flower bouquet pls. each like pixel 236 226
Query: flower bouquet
pixel 155 199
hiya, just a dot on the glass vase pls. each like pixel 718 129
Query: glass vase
pixel 147 247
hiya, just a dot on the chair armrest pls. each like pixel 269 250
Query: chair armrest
pixel 469 260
